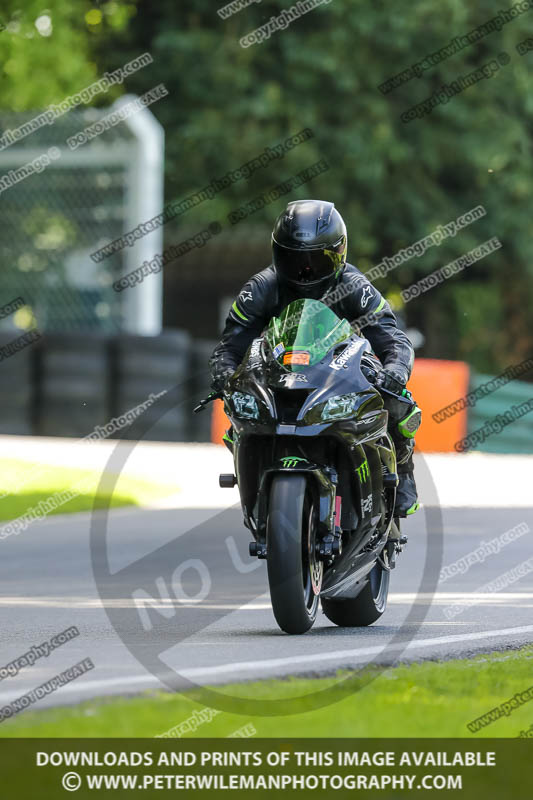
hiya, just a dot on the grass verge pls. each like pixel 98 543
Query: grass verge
pixel 428 699
pixel 25 484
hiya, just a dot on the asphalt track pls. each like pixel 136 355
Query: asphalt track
pixel 47 585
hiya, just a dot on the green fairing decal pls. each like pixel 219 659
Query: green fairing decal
pixel 362 471
pixel 291 461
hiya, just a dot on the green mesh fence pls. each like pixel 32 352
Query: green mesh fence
pixel 515 437
pixel 53 220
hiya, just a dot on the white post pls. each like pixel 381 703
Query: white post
pixel 143 304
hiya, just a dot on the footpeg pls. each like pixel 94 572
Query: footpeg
pixel 258 550
pixel 227 481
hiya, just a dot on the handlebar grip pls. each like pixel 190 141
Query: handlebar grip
pixel 209 399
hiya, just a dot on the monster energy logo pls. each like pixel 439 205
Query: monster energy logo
pixel 291 461
pixel 362 471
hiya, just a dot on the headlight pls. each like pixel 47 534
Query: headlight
pixel 342 405
pixel 245 405
pixel 337 407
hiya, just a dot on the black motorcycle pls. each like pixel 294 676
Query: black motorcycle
pixel 315 467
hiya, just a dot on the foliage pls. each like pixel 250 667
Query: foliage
pixel 393 182
pixel 47 49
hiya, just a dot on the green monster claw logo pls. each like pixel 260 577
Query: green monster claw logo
pixel 291 461
pixel 362 471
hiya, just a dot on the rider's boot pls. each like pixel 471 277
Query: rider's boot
pixel 406 494
pixel 404 422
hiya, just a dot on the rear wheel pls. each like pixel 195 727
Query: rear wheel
pixel 294 570
pixel 364 609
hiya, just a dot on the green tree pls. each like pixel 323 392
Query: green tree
pixel 394 182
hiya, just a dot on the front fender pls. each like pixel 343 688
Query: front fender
pixel 325 488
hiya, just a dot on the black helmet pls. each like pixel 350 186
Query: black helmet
pixel 309 245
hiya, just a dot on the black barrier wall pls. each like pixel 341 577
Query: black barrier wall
pixel 18 394
pixel 152 364
pixel 69 385
pixel 72 384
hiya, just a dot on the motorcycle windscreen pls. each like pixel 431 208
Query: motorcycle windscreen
pixel 304 333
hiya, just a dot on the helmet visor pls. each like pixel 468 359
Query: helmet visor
pixel 307 266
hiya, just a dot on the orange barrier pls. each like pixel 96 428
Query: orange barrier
pixel 434 384
pixel 219 422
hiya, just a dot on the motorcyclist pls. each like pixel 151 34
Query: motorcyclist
pixel 309 245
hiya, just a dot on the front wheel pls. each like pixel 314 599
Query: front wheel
pixel 294 570
pixel 364 609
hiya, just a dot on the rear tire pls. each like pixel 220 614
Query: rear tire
pixel 294 571
pixel 364 609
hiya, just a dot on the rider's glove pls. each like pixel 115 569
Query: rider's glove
pixel 391 379
pixel 219 381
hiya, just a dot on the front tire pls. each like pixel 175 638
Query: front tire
pixel 294 571
pixel 364 609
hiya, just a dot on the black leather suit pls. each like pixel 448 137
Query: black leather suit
pixel 264 296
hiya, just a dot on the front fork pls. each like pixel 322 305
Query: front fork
pixel 323 481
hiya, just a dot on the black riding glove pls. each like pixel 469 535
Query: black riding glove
pixel 391 379
pixel 219 381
